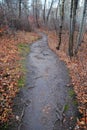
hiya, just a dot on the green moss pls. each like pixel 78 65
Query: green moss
pixel 71 93
pixel 21 81
pixel 66 107
pixel 23 65
pixel 23 49
pixel 75 102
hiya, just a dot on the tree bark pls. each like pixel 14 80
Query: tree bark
pixel 44 16
pixel 20 8
pixel 57 9
pixel 61 25
pixel 82 27
pixel 72 26
pixel 50 10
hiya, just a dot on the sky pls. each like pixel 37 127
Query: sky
pixel 47 3
pixel 81 2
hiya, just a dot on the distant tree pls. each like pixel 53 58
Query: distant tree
pixel 16 13
pixel 37 6
pixel 20 3
pixel 48 14
pixel 44 12
pixel 57 9
pixel 33 7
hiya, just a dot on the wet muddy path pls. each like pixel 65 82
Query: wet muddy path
pixel 49 105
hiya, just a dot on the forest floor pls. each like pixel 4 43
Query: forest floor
pixel 77 68
pixel 11 73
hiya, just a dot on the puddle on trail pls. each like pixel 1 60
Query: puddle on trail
pixel 50 107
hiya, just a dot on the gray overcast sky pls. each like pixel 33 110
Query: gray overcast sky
pixel 81 1
pixel 48 1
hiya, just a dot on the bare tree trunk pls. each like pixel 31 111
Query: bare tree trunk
pixel 37 15
pixel 20 8
pixel 61 24
pixel 55 26
pixel 82 27
pixel 71 31
pixel 44 16
pixel 27 14
pixel 50 10
pixel 33 8
pixel 54 22
pixel 57 9
pixel 72 26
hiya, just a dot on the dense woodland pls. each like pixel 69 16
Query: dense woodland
pixel 55 14
pixel 62 20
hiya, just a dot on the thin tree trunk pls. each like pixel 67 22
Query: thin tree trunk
pixel 54 22
pixel 57 9
pixel 37 14
pixel 27 14
pixel 44 16
pixel 71 31
pixel 72 26
pixel 19 9
pixel 50 10
pixel 33 8
pixel 61 25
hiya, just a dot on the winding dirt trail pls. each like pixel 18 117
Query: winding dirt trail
pixel 49 105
